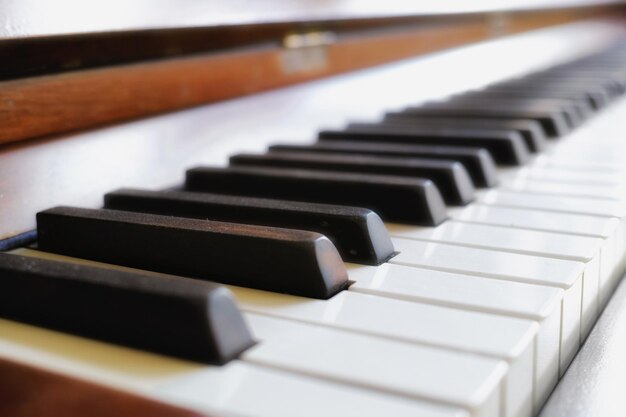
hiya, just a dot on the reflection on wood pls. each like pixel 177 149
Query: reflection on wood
pixel 42 105
pixel 31 392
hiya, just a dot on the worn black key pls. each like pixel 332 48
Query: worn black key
pixel 614 80
pixel 399 199
pixel 477 161
pixel 266 258
pixel 531 131
pixel 581 105
pixel 553 122
pixel 608 85
pixel 597 97
pixel 594 101
pixel 170 315
pixel 506 147
pixel 358 233
pixel 450 177
pixel 570 111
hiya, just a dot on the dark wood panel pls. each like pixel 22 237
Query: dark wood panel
pixel 78 168
pixel 42 105
pixel 32 392
pixel 141 39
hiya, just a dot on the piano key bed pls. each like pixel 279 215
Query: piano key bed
pixel 447 260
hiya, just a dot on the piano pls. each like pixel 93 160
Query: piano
pixel 403 228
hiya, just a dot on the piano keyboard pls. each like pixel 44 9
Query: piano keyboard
pixel 447 259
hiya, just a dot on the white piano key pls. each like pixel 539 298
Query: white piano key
pixel 558 273
pixel 587 158
pixel 454 329
pixel 478 293
pixel 503 265
pixel 239 388
pixel 529 242
pixel 532 219
pixel 472 382
pixel 613 249
pixel 553 174
pixel 493 296
pixel 578 164
pixel 599 191
pixel 581 147
pixel 558 203
pixel 505 338
pixel 566 223
pixel 260 392
pixel 592 153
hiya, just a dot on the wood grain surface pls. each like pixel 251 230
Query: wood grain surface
pixel 32 18
pixel 38 106
pixel 79 168
pixel 26 391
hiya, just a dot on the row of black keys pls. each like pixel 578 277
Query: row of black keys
pixel 292 240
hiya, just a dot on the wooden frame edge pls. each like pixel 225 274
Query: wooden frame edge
pixel 43 105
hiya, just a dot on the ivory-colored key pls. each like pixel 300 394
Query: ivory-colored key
pixel 567 275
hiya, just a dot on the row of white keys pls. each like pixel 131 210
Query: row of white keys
pixel 598 180
pixel 408 370
pixel 528 242
pixel 238 388
pixel 559 176
pixel 473 293
pixel 571 236
pixel 609 212
pixel 353 328
pixel 503 338
pixel 606 228
pixel 557 273
pixel 553 176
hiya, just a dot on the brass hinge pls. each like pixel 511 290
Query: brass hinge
pixel 306 52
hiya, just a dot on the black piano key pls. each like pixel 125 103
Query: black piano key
pixel 477 161
pixel 614 80
pixel 581 104
pixel 553 122
pixel 568 80
pixel 506 147
pixel 267 258
pixel 597 97
pixel 531 131
pixel 570 111
pixel 175 316
pixel 358 233
pixel 450 177
pixel 594 101
pixel 399 199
